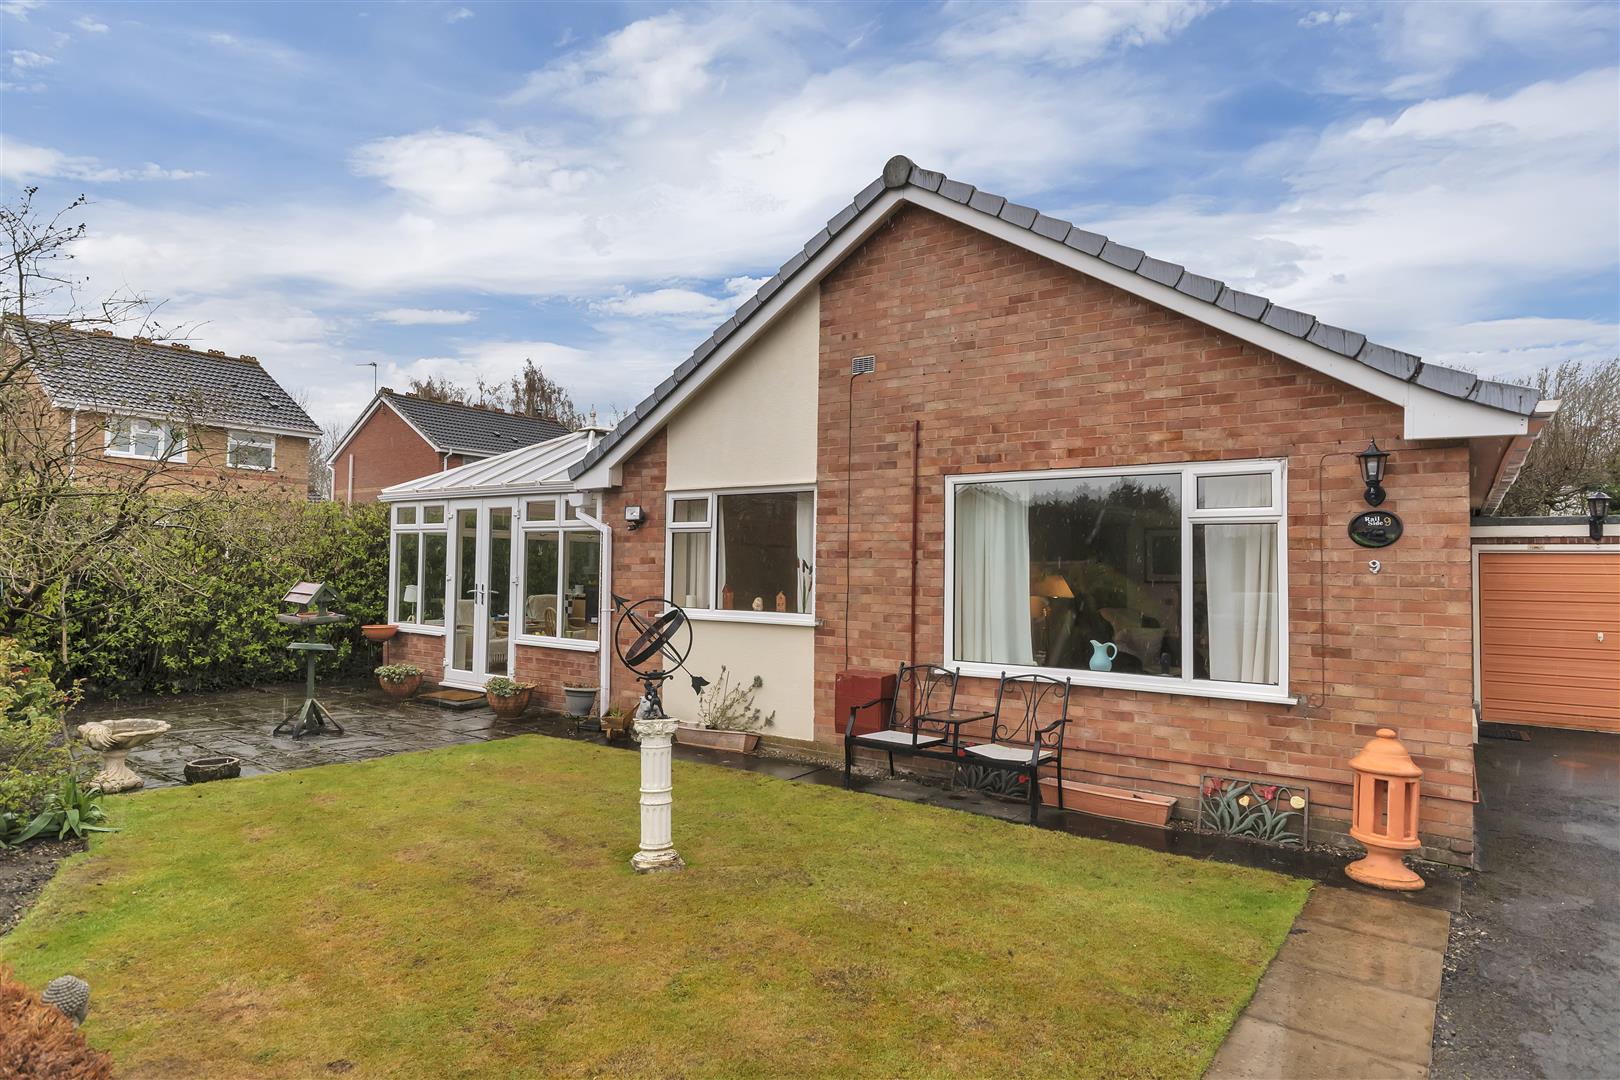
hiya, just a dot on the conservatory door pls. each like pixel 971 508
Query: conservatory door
pixel 482 587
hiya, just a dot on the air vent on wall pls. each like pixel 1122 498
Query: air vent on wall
pixel 863 365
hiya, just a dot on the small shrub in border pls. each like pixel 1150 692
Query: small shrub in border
pixel 34 754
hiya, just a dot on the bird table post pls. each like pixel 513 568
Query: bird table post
pixel 655 654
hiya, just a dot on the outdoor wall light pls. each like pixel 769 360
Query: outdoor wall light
pixel 1597 508
pixel 1372 472
pixel 634 516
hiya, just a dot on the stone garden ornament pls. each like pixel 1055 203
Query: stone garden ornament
pixel 71 994
pixel 115 739
pixel 653 639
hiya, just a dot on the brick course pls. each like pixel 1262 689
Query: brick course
pixel 1012 362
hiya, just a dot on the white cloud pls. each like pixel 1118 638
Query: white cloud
pixel 1517 348
pixel 1327 18
pixel 649 68
pixel 19 9
pixel 90 25
pixel 1428 42
pixel 424 317
pixel 27 60
pixel 22 162
pixel 458 15
pixel 1068 33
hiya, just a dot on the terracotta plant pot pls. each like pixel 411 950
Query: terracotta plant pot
pixel 399 691
pixel 1142 807
pixel 508 708
pixel 204 769
pixel 737 742
pixel 379 631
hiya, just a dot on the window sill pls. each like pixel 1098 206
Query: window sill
pixel 253 468
pixel 571 644
pixel 1152 684
pixel 173 459
pixel 426 631
pixel 758 618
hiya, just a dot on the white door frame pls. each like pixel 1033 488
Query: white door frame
pixel 474 677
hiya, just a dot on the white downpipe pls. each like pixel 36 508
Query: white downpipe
pixel 604 615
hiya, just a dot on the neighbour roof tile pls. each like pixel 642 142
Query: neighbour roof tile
pixel 467 429
pixel 900 173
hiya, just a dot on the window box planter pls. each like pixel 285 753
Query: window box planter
pixel 737 742
pixel 1142 807
pixel 379 631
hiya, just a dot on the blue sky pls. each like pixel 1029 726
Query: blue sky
pixel 450 188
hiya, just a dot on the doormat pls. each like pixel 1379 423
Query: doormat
pixel 1503 731
pixel 454 699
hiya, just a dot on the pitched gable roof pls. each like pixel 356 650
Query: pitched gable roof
pixel 467 429
pixel 1296 334
pixel 93 369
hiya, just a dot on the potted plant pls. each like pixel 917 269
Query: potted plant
pixel 507 697
pixel 379 631
pixel 579 700
pixel 399 681
pixel 727 717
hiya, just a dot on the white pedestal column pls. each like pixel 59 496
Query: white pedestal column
pixel 657 828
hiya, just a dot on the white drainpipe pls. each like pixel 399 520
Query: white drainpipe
pixel 604 615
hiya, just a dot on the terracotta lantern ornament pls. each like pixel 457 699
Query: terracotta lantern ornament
pixel 1384 813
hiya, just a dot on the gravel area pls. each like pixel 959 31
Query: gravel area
pixel 23 873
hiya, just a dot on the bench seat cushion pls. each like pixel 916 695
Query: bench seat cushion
pixel 891 738
pixel 1010 754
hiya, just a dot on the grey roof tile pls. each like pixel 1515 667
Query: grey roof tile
pixel 1127 258
pixel 792 266
pixel 746 308
pixel 987 203
pixel 1089 242
pixel 768 290
pixel 464 429
pixel 1289 321
pixel 1200 287
pixel 1050 227
pixel 1519 399
pixel 816 243
pixel 1446 380
pixel 1165 273
pixel 1021 216
pixel 955 190
pixel 106 372
pixel 867 194
pixel 926 179
pixel 1241 303
pixel 1402 365
pixel 842 218
pixel 1344 342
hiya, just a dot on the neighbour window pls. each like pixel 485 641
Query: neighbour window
pixel 1149 577
pixel 421 548
pixel 153 440
pixel 250 450
pixel 743 551
pixel 562 572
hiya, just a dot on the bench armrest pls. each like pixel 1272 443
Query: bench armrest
pixel 849 729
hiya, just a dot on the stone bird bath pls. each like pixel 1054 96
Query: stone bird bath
pixel 115 739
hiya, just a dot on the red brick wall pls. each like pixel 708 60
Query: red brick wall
pixel 546 668
pixel 385 451
pixel 426 651
pixel 1013 362
pixel 638 557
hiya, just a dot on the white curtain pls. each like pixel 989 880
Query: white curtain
pixel 992 575
pixel 1240 564
pixel 805 542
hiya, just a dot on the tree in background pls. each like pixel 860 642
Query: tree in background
pixel 1580 447
pixel 531 392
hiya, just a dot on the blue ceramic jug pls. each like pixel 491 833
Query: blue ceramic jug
pixel 1102 655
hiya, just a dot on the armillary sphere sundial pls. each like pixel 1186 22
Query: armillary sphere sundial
pixel 653 638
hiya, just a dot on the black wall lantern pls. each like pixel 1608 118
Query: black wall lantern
pixel 1372 472
pixel 1597 508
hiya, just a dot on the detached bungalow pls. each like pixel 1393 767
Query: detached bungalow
pixel 952 428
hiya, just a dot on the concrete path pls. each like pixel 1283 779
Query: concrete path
pixel 1351 993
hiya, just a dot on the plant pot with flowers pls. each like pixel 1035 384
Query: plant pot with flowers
pixel 399 681
pixel 727 717
pixel 507 697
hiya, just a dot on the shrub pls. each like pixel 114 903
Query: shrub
pixel 40 1042
pixel 70 810
pixel 728 706
pixel 34 756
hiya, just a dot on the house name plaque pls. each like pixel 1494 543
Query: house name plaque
pixel 1375 528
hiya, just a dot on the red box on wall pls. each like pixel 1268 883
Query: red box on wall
pixel 852 688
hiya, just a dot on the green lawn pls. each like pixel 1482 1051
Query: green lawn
pixel 471 912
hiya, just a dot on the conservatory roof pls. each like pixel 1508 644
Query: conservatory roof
pixel 538 468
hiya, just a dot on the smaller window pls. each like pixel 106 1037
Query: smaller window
pixel 133 437
pixel 1234 491
pixel 433 515
pixel 692 510
pixel 541 510
pixel 405 515
pixel 250 450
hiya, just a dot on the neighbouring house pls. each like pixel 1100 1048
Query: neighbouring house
pixel 953 428
pixel 399 437
pixel 201 416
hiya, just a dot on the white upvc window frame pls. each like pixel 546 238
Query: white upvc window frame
pixel 257 440
pixel 559 524
pixel 174 445
pixel 420 529
pixel 713 612
pixel 1185 684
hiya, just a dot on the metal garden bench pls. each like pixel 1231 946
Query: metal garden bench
pixel 923 720
pixel 1031 714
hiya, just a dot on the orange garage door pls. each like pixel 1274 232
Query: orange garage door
pixel 1549 638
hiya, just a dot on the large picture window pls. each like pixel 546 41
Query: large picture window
pixel 421 546
pixel 749 552
pixel 1163 577
pixel 562 573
